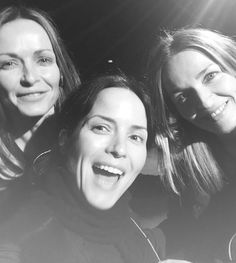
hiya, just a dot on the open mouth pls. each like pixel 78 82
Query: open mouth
pixel 108 171
pixel 219 110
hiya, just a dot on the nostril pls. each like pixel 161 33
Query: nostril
pixel 28 80
pixel 25 83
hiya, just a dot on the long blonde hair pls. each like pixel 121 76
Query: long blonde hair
pixel 12 162
pixel 185 151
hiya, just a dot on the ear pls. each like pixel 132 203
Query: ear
pixel 62 139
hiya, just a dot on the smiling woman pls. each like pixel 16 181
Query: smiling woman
pixel 193 72
pixel 29 74
pixel 82 208
pixel 203 93
pixel 36 74
pixel 111 148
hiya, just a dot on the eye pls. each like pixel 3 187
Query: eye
pixel 181 98
pixel 100 129
pixel 8 64
pixel 210 76
pixel 44 61
pixel 137 138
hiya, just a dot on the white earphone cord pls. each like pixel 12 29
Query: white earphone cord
pixel 148 240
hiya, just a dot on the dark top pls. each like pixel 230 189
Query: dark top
pixel 208 237
pixel 50 225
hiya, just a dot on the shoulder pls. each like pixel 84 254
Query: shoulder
pixel 29 234
pixel 31 214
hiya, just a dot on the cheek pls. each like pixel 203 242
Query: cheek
pixel 138 159
pixel 8 83
pixel 83 149
pixel 186 110
pixel 227 85
pixel 52 76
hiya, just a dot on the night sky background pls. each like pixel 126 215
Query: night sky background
pixel 96 31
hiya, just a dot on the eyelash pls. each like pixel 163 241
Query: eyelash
pixel 8 64
pixel 11 63
pixel 181 99
pixel 210 76
pixel 100 129
pixel 45 60
pixel 138 138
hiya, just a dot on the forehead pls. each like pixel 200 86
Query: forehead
pixel 187 64
pixel 120 104
pixel 24 32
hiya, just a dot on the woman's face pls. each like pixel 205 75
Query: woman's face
pixel 202 93
pixel 110 147
pixel 29 74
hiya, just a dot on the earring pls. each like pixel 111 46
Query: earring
pixel 61 81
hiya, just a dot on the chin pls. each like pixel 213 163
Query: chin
pixel 102 204
pixel 32 112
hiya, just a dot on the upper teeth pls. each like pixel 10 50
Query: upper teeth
pixel 110 169
pixel 218 111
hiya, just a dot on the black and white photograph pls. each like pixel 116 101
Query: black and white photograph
pixel 117 140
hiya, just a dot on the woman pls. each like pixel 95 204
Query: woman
pixel 81 212
pixel 36 74
pixel 104 132
pixel 193 76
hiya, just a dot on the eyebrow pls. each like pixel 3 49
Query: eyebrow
pixel 202 72
pixel 9 54
pixel 138 127
pixel 16 56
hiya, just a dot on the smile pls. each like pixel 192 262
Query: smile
pixel 108 170
pixel 31 97
pixel 33 94
pixel 219 110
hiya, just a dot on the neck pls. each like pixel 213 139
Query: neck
pixel 24 127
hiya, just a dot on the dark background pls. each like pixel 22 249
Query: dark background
pixel 96 31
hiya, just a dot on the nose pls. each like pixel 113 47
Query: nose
pixel 203 98
pixel 29 76
pixel 117 147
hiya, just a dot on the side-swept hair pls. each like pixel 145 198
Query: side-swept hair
pixel 12 162
pixel 186 151
pixel 69 74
